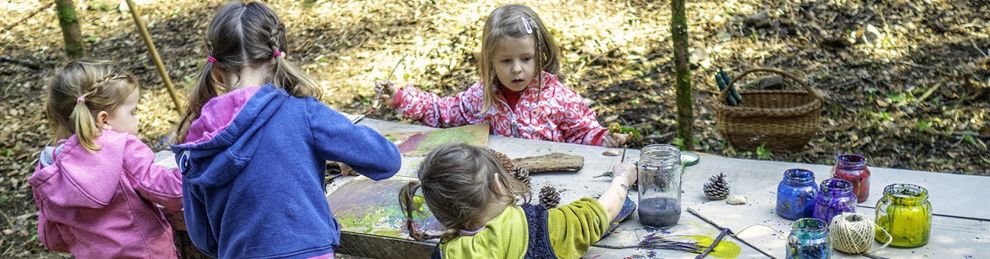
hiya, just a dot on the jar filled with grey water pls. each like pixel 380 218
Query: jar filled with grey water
pixel 660 172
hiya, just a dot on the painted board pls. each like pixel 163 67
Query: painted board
pixel 372 208
pixel 421 143
pixel 757 223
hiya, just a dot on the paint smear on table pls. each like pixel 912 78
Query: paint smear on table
pixel 421 143
pixel 372 207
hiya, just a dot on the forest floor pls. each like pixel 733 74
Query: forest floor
pixel 908 81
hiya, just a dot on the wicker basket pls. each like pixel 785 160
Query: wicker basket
pixel 783 120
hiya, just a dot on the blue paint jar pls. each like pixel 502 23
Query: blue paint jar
pixel 834 197
pixel 808 239
pixel 796 194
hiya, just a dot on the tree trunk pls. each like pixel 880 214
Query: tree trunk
pixel 682 74
pixel 69 22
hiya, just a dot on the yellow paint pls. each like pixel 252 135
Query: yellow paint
pixel 725 248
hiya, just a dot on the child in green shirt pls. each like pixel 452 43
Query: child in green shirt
pixel 475 198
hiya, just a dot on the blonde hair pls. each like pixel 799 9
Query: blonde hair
pixel 244 33
pixel 512 21
pixel 81 90
pixel 459 181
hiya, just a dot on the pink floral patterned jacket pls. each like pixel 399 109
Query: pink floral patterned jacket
pixel 552 112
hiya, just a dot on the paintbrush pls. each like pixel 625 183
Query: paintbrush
pixel 623 159
pixel 376 102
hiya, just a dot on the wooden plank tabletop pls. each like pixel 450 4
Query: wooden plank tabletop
pixel 963 231
pixel 951 194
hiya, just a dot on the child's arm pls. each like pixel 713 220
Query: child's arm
pixel 615 196
pixel 573 228
pixel 435 111
pixel 48 232
pixel 156 183
pixel 363 149
pixel 579 123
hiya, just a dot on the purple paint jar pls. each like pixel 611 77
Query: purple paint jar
pixel 835 196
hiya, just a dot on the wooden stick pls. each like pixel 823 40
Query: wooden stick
pixel 553 162
pixel 154 55
pixel 696 214
pixel 713 245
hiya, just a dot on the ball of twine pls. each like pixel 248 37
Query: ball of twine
pixel 853 233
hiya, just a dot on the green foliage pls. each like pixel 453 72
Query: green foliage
pixel 633 132
pixel 763 153
pixel 679 142
pixel 923 125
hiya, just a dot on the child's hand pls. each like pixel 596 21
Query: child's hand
pixel 615 139
pixel 385 91
pixel 625 173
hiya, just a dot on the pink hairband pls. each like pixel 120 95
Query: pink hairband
pixel 211 59
pixel 276 53
pixel 81 99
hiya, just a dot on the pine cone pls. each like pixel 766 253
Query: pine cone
pixel 506 161
pixel 549 197
pixel 520 174
pixel 717 188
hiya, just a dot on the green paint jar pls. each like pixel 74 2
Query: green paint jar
pixel 905 213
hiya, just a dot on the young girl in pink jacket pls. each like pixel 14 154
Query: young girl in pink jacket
pixel 98 190
pixel 519 93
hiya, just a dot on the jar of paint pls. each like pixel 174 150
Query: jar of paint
pixel 808 239
pixel 853 168
pixel 660 172
pixel 796 194
pixel 905 213
pixel 834 197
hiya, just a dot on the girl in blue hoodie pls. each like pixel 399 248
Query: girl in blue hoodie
pixel 254 142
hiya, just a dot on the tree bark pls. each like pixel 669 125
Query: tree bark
pixel 553 162
pixel 682 74
pixel 69 22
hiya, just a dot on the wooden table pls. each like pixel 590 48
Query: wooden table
pixel 962 231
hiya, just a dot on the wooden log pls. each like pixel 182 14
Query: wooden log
pixel 553 162
pixel 376 246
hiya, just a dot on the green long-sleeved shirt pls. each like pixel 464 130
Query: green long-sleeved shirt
pixel 572 229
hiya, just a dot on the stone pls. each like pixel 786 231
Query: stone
pixel 736 200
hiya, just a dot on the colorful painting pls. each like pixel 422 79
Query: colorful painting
pixel 421 143
pixel 372 207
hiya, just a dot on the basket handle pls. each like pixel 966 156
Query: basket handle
pixel 800 81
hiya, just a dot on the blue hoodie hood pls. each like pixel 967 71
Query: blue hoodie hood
pixel 215 161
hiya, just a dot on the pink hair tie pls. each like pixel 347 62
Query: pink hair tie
pixel 211 59
pixel 276 53
pixel 81 99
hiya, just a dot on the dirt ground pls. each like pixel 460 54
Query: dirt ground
pixel 908 81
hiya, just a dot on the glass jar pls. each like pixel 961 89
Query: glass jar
pixel 660 172
pixel 808 239
pixel 834 197
pixel 904 211
pixel 853 168
pixel 796 194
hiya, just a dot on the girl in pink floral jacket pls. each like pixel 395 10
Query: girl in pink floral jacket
pixel 98 191
pixel 519 94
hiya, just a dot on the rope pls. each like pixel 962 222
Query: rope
pixel 854 233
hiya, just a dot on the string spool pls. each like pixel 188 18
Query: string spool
pixel 853 233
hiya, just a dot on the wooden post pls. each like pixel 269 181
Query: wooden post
pixel 682 74
pixel 71 34
pixel 154 55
